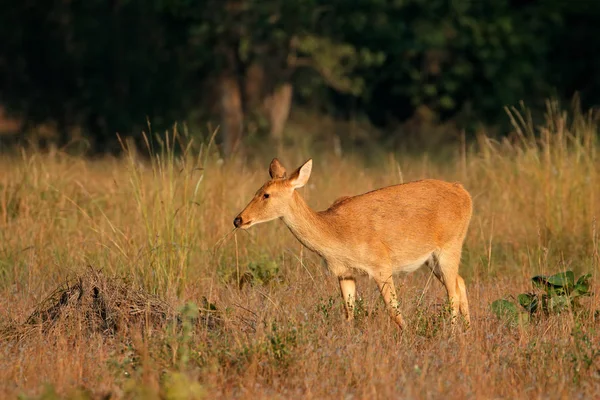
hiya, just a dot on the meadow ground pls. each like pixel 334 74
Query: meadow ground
pixel 269 320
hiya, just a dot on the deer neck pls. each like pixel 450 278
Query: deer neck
pixel 307 225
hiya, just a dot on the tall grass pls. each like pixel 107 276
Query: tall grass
pixel 165 223
pixel 542 186
pixel 167 200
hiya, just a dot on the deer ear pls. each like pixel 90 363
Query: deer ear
pixel 301 175
pixel 276 170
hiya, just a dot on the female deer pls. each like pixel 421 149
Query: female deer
pixel 394 229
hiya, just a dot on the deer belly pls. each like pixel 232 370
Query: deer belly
pixel 411 265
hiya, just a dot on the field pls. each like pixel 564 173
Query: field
pixel 200 311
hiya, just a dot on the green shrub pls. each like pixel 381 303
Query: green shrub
pixel 551 295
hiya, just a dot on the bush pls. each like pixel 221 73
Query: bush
pixel 551 295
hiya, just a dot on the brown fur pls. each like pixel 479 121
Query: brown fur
pixel 394 229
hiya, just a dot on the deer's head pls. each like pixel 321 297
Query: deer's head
pixel 272 200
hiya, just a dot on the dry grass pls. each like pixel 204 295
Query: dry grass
pixel 164 226
pixel 94 301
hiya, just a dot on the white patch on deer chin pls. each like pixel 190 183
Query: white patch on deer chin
pixel 247 225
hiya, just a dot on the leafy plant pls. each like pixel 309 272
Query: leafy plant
pixel 260 272
pixel 552 294
pixel 263 271
pixel 504 308
pixel 282 343
pixel 360 309
pixel 560 292
pixel 325 307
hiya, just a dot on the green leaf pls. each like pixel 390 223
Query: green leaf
pixel 582 287
pixel 446 102
pixel 584 280
pixel 529 302
pixel 563 279
pixel 539 281
pixel 581 291
pixel 430 89
pixel 504 309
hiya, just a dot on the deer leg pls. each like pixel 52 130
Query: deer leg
pixel 446 271
pixel 464 302
pixel 348 289
pixel 388 292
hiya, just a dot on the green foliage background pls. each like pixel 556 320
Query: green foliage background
pixel 109 66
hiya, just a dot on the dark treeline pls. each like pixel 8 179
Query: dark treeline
pixel 109 66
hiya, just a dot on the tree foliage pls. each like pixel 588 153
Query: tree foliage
pixel 106 67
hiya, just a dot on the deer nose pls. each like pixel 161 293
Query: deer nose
pixel 237 222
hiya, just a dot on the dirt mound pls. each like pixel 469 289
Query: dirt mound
pixel 97 303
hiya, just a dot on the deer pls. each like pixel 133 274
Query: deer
pixel 383 232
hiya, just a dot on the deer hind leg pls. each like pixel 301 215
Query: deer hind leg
pixel 388 292
pixel 464 302
pixel 445 267
pixel 348 289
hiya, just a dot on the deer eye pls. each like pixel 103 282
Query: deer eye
pixel 266 195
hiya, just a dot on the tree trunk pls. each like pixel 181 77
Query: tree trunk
pixel 278 106
pixel 232 114
pixel 254 86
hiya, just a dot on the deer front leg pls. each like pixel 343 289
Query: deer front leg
pixel 388 292
pixel 348 289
